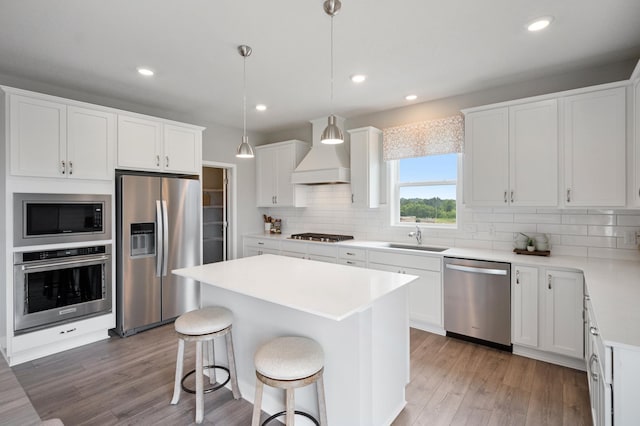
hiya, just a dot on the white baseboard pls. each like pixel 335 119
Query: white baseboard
pixel 549 357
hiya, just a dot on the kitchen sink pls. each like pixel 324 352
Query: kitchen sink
pixel 419 248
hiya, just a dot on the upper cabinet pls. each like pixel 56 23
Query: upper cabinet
pixel 595 148
pixel 366 167
pixel 636 119
pixel 52 139
pixel 512 155
pixel 154 145
pixel 274 165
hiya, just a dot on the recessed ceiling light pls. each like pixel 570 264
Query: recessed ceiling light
pixel 539 23
pixel 411 97
pixel 358 78
pixel 261 107
pixel 145 71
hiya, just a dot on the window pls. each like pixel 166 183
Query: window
pixel 425 190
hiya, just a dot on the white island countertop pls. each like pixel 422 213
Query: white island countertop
pixel 323 289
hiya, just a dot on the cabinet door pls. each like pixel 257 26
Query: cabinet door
pixel 524 305
pixel 285 164
pixel 266 165
pixel 595 148
pixel 139 143
pixel 38 136
pixel 563 294
pixel 533 152
pixel 366 165
pixel 91 136
pixel 182 149
pixel 487 157
pixel 636 118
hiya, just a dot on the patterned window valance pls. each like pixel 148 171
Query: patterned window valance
pixel 441 136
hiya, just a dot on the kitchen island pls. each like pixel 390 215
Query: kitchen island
pixel 359 317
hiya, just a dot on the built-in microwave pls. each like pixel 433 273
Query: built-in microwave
pixel 60 218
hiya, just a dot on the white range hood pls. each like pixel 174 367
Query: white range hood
pixel 324 163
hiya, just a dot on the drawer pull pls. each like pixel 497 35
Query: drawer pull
pixel 68 331
pixel 517 276
pixel 350 262
pixel 594 331
pixel 260 243
pixel 350 254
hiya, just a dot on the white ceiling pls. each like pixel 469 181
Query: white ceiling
pixel 431 48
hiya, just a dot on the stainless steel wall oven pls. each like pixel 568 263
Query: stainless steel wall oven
pixel 60 218
pixel 55 286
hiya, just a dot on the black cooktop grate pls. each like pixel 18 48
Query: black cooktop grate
pixel 310 236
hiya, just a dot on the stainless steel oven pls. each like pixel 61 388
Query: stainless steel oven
pixel 60 218
pixel 54 286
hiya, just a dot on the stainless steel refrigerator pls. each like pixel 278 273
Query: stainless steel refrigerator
pixel 158 229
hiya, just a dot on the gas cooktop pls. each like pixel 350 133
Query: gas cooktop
pixel 328 238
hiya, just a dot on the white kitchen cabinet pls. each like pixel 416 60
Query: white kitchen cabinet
pixel 352 256
pixel 51 139
pixel 312 251
pixel 636 120
pixel 254 246
pixel 562 318
pixel 524 305
pixel 512 155
pixel 153 145
pixel 595 148
pixel 366 167
pixel 425 293
pixel 274 165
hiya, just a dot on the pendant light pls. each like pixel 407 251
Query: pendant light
pixel 332 134
pixel 244 149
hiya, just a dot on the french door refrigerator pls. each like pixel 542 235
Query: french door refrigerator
pixel 158 230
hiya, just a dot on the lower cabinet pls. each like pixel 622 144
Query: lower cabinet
pixel 311 251
pixel 425 294
pixel 547 314
pixel 254 246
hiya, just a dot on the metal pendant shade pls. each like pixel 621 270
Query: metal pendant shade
pixel 244 149
pixel 332 135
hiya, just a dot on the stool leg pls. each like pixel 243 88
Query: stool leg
pixel 211 359
pixel 290 420
pixel 257 404
pixel 235 389
pixel 199 384
pixel 179 361
pixel 322 404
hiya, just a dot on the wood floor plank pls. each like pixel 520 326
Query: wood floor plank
pixel 130 382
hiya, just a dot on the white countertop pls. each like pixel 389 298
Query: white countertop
pixel 613 285
pixel 324 289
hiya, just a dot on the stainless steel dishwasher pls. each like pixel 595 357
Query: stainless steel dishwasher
pixel 477 301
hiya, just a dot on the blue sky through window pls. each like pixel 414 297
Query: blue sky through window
pixel 429 168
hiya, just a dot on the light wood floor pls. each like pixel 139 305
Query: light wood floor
pixel 130 381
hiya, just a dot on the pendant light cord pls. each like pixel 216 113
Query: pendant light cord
pixel 244 97
pixel 331 104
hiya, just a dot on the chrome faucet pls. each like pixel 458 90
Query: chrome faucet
pixel 417 233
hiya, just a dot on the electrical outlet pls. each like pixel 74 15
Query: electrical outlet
pixel 631 238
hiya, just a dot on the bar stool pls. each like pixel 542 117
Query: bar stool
pixel 203 325
pixel 289 363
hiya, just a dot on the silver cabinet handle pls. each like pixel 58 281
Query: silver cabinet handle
pixel 505 196
pixel 586 297
pixel 517 276
pixel 512 196
pixel 70 167
pixel 63 167
pixel 549 281
pixel 592 360
pixel 158 160
pixel 350 262
pixel 260 243
pixel 568 195
pixel 476 270
pixel 593 330
pixel 351 198
pixel 166 161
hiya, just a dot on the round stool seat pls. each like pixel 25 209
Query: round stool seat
pixel 289 358
pixel 204 321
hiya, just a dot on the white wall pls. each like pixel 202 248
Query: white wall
pixel 595 233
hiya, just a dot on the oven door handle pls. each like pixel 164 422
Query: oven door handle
pixel 68 263
pixel 159 239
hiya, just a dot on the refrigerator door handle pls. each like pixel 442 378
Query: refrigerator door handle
pixel 159 238
pixel 165 238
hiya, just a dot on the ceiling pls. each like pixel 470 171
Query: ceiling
pixel 433 49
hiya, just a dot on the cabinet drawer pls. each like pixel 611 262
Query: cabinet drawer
pixel 293 246
pixel 262 243
pixel 295 254
pixel 351 253
pixel 349 262
pixel 322 250
pixel 327 259
pixel 603 352
pixel 406 260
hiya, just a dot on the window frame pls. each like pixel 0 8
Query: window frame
pixel 395 185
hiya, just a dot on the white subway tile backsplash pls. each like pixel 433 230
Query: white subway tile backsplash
pixel 576 232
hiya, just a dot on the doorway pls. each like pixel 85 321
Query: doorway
pixel 218 213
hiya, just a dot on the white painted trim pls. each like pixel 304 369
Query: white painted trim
pixel 430 328
pixel 540 355
pixel 232 215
